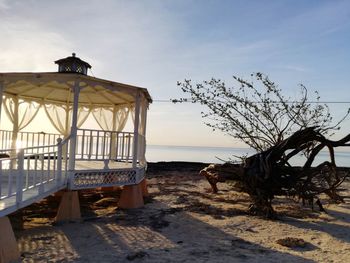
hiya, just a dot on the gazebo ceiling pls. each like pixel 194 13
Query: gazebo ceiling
pixel 56 88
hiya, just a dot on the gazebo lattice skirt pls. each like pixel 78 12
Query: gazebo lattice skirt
pixel 98 178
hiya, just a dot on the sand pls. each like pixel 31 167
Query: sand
pixel 183 222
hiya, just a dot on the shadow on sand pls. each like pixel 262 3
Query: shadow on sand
pixel 330 226
pixel 155 233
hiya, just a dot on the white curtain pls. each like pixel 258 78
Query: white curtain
pixel 142 116
pixel 83 114
pixel 111 119
pixel 20 113
pixel 143 111
pixel 132 112
pixel 61 116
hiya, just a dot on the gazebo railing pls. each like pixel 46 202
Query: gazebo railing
pixel 32 175
pixel 91 144
pixel 8 177
pixel 27 139
pixel 5 139
pixel 104 145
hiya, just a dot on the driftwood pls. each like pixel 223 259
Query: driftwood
pixel 268 173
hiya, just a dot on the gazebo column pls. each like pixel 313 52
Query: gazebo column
pixel 143 131
pixel 113 137
pixel 1 92
pixel 69 208
pixel 136 130
pixel 132 195
pixel 144 184
pixel 73 139
pixel 8 244
pixel 15 123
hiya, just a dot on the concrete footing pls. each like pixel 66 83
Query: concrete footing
pixel 8 244
pixel 144 188
pixel 131 197
pixel 69 208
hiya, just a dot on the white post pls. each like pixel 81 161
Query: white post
pixel 113 154
pixel 59 161
pixel 136 130
pixel 20 175
pixel 144 120
pixel 15 123
pixel 73 131
pixel 14 131
pixel 1 92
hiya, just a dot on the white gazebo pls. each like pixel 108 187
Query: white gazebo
pixel 73 158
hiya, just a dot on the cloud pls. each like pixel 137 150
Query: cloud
pixel 143 44
pixel 156 43
pixel 4 5
pixel 29 46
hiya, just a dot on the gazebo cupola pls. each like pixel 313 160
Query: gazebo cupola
pixel 72 64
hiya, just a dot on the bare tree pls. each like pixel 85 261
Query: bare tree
pixel 278 128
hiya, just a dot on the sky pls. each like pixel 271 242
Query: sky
pixel 155 43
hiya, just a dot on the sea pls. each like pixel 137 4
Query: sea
pixel 158 153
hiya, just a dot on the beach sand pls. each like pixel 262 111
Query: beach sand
pixel 182 221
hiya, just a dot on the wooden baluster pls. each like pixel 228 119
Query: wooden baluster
pixel 111 146
pixel 48 166
pixel 129 146
pixel 35 169
pixel 33 143
pixel 54 170
pixel 97 141
pixel 90 147
pixel 123 145
pixel 27 173
pixel 10 178
pixel 38 140
pixel 82 145
pixel 104 145
pixel 59 161
pixel 20 174
pixel 42 168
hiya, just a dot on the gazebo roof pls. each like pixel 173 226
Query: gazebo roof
pixel 55 88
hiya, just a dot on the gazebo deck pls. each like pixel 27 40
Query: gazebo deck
pixel 98 165
pixel 83 165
